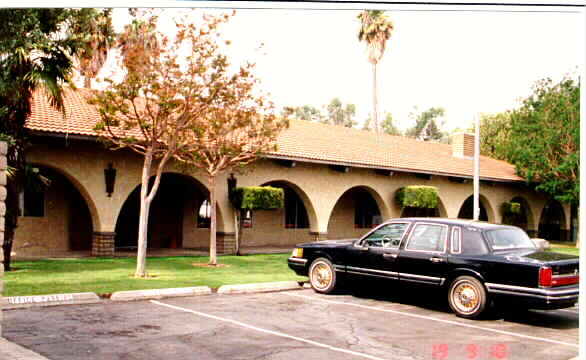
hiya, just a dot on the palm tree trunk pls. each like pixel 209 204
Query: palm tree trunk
pixel 374 100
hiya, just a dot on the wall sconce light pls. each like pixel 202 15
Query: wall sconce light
pixel 110 177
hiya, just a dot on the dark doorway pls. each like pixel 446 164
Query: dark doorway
pixel 175 199
pixel 467 210
pixel 552 221
pixel 420 212
pixel 517 219
pixel 295 211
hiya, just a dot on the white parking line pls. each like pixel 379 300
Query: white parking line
pixel 275 333
pixel 435 319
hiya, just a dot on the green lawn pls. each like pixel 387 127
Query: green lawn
pixel 104 276
pixel 565 249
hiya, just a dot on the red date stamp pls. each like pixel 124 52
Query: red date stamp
pixel 470 351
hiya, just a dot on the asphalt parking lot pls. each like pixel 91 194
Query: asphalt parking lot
pixel 289 325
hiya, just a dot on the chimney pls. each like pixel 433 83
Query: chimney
pixel 463 145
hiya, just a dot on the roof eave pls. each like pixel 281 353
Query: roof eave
pixel 379 167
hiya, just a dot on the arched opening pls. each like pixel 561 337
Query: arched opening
pixel 520 218
pixel 552 222
pixel 467 210
pixel 280 227
pixel 58 206
pixel 178 218
pixel 355 211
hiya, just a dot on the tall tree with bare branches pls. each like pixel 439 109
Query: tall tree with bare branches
pixel 238 124
pixel 176 101
pixel 375 30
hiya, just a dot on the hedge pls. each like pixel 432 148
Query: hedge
pixel 258 198
pixel 418 196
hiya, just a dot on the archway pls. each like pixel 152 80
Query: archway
pixel 552 222
pixel 355 211
pixel 521 219
pixel 58 206
pixel 178 218
pixel 280 227
pixel 467 209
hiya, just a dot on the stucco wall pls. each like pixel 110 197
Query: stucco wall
pixel 320 187
pixel 49 234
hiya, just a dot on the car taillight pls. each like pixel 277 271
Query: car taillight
pixel 565 280
pixel 548 279
pixel 545 277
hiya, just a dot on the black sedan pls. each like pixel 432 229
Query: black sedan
pixel 476 262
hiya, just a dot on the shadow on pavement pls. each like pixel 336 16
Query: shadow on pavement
pixel 435 299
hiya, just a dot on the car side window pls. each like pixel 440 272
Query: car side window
pixel 428 237
pixel 388 236
pixel 456 242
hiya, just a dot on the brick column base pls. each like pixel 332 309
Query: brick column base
pixel 319 236
pixel 103 243
pixel 1 282
pixel 226 243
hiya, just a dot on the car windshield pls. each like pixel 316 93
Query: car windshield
pixel 508 238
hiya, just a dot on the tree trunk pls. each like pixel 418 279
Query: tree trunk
pixel 7 247
pixel 143 221
pixel 237 231
pixel 374 100
pixel 578 227
pixel 87 82
pixel 11 221
pixel 213 256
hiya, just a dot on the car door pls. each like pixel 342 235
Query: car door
pixel 423 258
pixel 376 254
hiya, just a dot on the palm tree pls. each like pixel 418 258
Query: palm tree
pixel 139 38
pixel 99 37
pixel 33 55
pixel 375 30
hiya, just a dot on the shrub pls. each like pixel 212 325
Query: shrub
pixel 418 196
pixel 258 198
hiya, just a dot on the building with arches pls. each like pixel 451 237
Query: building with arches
pixel 338 182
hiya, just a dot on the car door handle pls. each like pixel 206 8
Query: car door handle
pixel 437 259
pixel 390 256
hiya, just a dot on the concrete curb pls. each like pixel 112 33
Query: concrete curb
pixel 20 302
pixel 259 287
pixel 132 295
pixel 13 351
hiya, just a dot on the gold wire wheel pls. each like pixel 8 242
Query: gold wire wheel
pixel 321 276
pixel 465 297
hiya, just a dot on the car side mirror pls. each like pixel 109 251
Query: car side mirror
pixel 359 246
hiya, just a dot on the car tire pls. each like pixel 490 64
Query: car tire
pixel 322 276
pixel 467 297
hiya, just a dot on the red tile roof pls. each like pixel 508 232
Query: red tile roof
pixel 304 141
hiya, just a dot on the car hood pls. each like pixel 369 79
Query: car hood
pixel 328 243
